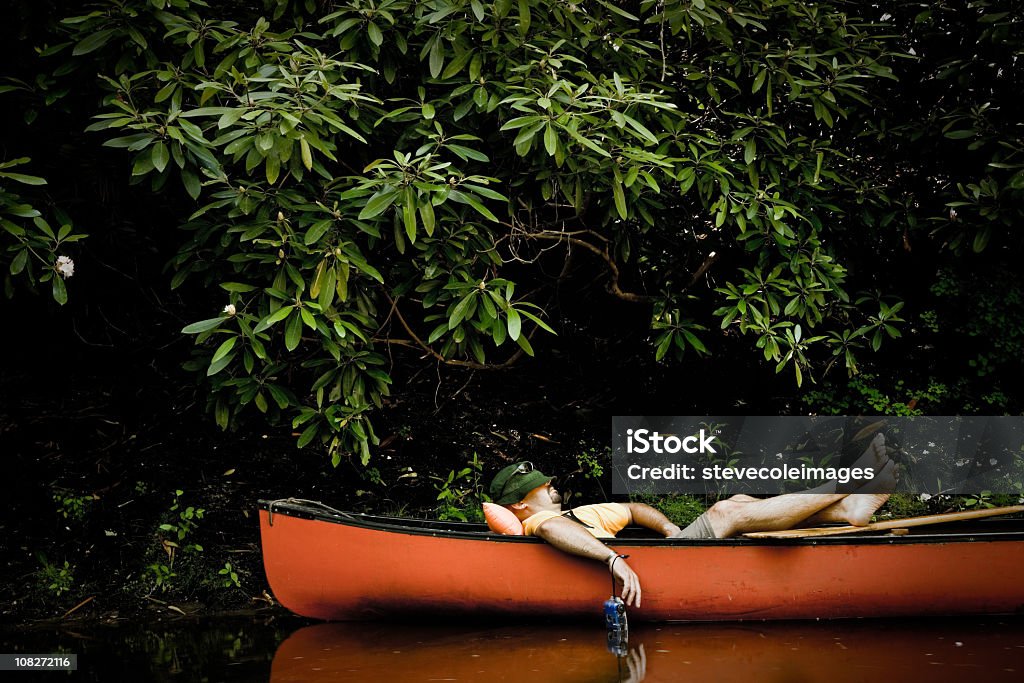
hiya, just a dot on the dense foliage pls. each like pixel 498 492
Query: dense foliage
pixel 367 183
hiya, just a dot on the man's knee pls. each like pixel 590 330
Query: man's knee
pixel 724 516
pixel 743 498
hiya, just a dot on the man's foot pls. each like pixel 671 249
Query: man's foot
pixel 857 508
pixel 875 455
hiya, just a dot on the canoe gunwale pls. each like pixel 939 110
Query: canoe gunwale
pixel 990 530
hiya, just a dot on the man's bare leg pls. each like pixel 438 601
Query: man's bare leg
pixel 741 514
pixel 730 517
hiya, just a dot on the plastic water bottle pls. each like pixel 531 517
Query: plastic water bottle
pixel 617 626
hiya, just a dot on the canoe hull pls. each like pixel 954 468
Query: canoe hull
pixel 349 571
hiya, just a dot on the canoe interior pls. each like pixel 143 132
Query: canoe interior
pixel 1000 528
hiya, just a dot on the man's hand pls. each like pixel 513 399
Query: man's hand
pixel 630 582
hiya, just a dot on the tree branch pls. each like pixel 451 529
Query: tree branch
pixel 708 262
pixel 613 268
pixel 447 361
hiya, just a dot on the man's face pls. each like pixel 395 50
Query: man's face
pixel 545 495
pixel 553 493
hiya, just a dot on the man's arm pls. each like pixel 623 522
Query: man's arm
pixel 572 538
pixel 646 516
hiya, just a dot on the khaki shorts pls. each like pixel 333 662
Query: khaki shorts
pixel 699 528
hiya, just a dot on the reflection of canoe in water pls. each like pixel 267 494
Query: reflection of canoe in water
pixel 343 567
pixel 840 652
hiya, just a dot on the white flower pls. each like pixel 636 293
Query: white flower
pixel 993 462
pixel 926 497
pixel 230 309
pixel 65 266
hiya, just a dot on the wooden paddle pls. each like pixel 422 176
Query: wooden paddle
pixel 889 524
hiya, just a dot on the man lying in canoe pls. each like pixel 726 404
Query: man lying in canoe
pixel 538 505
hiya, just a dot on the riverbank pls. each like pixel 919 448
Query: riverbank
pixel 130 501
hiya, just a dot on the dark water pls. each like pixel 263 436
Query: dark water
pixel 290 650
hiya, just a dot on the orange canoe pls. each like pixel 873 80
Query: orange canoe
pixel 340 566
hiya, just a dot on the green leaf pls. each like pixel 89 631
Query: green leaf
pixel 524 17
pixel 307 154
pixel 550 140
pixel 19 261
pixel 409 213
pixel 275 317
pixel 236 287
pixel 515 324
pixel 308 434
pixel 328 289
pixel 230 117
pixel 218 365
pixel 378 203
pixel 202 326
pixel 478 9
pixel 206 111
pixel 191 183
pixel 316 231
pixel 623 13
pixel 60 292
pixel 981 240
pixel 436 57
pixel 459 312
pixel 427 216
pixel 24 179
pixel 374 33
pixel 694 341
pixel 663 346
pixel 160 156
pixel 93 41
pixel 293 333
pixel 222 415
pixel 589 144
pixel 639 127
pixel 620 199
pixel 469 199
pixel 223 349
pixel 273 168
pixel 307 318
pixel 437 333
pixel 524 344
pixel 759 80
pixel 279 395
pixel 540 323
pixel 521 122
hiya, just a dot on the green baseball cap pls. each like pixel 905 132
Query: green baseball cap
pixel 512 483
